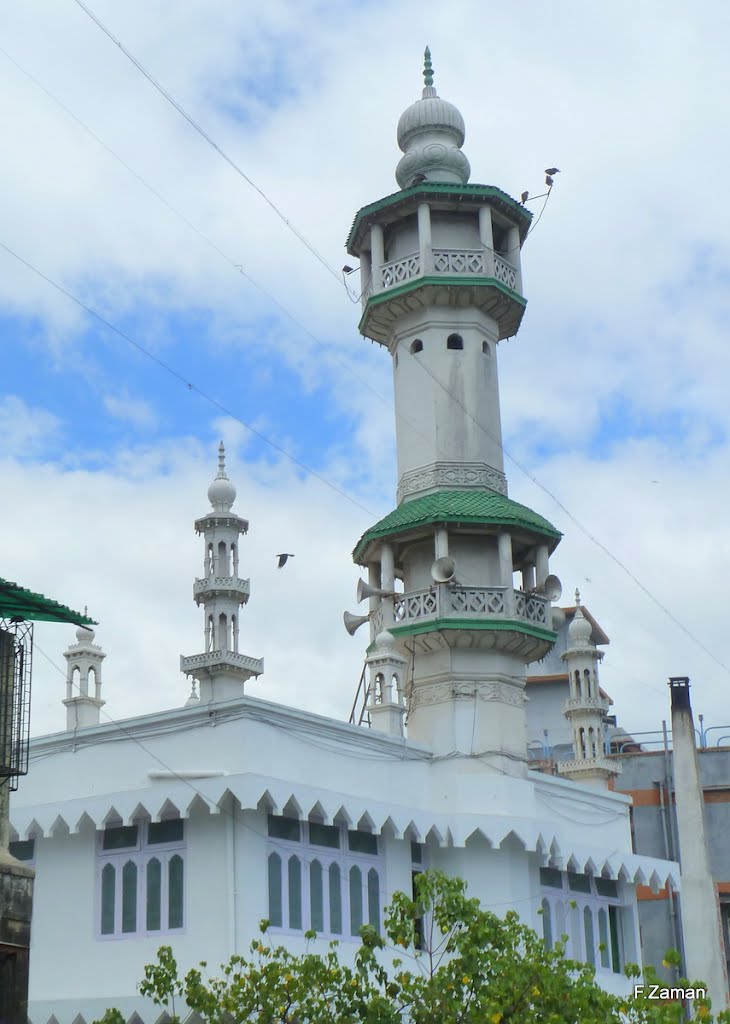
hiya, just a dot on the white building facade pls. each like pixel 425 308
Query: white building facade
pixel 189 826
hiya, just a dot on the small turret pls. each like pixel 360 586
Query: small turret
pixel 221 670
pixel 83 681
pixel 586 707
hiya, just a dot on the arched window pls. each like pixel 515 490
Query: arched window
pixel 578 685
pixel 223 644
pixel 129 897
pixel 210 635
pixel 275 915
pixel 603 937
pixel 416 346
pixel 316 897
pixel 91 683
pixel 588 683
pixel 154 895
pixel 455 342
pixel 373 899
pixel 209 566
pixel 108 885
pixel 335 899
pixel 547 924
pixel 295 892
pixel 355 900
pixel 590 942
pixel 175 891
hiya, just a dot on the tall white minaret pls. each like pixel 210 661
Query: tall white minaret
pixel 442 285
pixel 83 680
pixel 221 671
pixel 585 708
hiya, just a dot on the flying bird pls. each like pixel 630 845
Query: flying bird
pixel 552 170
pixel 524 197
pixel 283 559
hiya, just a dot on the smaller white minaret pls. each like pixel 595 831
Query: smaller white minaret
pixel 387 682
pixel 222 669
pixel 83 675
pixel 585 709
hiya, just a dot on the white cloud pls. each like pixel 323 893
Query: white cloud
pixel 26 429
pixel 134 411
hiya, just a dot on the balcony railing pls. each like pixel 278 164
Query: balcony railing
pixel 457 602
pixel 232 584
pixel 457 262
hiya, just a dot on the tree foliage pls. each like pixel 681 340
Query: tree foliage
pixel 473 968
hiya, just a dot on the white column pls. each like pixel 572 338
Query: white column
pixel 365 274
pixel 698 900
pixel 486 238
pixel 528 578
pixel 441 545
pixel 513 248
pixel 387 581
pixel 425 244
pixel 504 546
pixel 541 564
pixel 377 250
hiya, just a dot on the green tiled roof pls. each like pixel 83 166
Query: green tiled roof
pixel 18 602
pixel 465 506
pixel 436 188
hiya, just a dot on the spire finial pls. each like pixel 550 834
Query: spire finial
pixel 427 68
pixel 221 459
pixel 577 598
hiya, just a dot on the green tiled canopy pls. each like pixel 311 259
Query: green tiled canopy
pixel 486 507
pixel 17 602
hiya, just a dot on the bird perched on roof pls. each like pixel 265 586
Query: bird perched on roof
pixel 283 559
pixel 524 197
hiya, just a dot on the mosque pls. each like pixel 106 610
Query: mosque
pixel 188 826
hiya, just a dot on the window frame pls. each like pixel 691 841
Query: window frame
pixel 560 899
pixel 326 856
pixel 141 854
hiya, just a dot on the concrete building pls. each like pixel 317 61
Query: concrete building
pixel 191 825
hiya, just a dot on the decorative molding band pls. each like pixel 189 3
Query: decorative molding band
pixel 451 474
pixel 444 693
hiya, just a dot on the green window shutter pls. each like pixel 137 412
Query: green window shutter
pixel 590 942
pixel 154 895
pixel 295 892
pixel 603 937
pixel 547 924
pixel 374 899
pixel 316 902
pixel 108 881
pixel 129 897
pixel 613 920
pixel 175 892
pixel 275 890
pixel 335 899
pixel 355 900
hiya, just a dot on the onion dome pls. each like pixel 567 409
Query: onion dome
pixel 84 635
pixel 431 133
pixel 580 629
pixel 221 493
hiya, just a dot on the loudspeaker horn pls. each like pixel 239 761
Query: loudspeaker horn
pixel 353 622
pixel 368 590
pixel 552 588
pixel 443 569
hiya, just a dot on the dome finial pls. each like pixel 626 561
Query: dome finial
pixel 221 492
pixel 577 598
pixel 221 460
pixel 427 68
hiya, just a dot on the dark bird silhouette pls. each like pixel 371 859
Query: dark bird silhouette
pixel 283 559
pixel 418 179
pixel 548 181
pixel 524 197
pixel 552 170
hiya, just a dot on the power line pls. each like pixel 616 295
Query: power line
pixel 211 142
pixel 454 397
pixel 178 376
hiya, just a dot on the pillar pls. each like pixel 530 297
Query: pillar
pixel 425 244
pixel 377 250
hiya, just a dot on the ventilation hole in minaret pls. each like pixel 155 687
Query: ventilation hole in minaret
pixel 486 349
pixel 416 346
pixel 455 342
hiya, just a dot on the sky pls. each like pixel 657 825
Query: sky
pixel 224 325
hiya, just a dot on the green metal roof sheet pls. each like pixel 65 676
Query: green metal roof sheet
pixel 465 506
pixel 17 602
pixel 424 189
